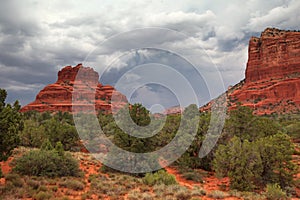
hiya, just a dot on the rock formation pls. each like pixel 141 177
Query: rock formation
pixel 272 79
pixel 89 92
pixel 173 110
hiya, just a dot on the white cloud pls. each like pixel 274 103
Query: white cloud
pixel 284 16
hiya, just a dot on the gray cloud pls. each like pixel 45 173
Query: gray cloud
pixel 37 38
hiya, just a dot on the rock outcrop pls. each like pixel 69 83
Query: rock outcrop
pixel 272 79
pixel 88 93
pixel 173 110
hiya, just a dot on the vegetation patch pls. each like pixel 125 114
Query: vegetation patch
pixel 159 177
pixel 50 163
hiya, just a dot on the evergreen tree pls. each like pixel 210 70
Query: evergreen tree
pixel 255 152
pixel 276 154
pixel 240 161
pixel 10 125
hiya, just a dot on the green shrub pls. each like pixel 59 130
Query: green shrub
pixel 47 163
pixel 197 191
pixel 159 177
pixel 147 196
pixel 274 192
pixel 33 184
pixel 217 194
pixel 42 195
pixel 193 176
pixel 15 179
pixel 86 195
pixel 183 194
pixel 43 188
pixel 54 188
pixel 72 184
pixel 134 195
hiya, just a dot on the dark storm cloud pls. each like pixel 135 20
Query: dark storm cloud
pixel 229 45
pixel 142 63
pixel 37 38
pixel 29 59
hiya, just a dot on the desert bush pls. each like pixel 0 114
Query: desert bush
pixel 297 183
pixel 50 163
pixel 33 184
pixel 172 189
pixel 134 195
pixel 274 192
pixel 159 177
pixel 252 196
pixel 194 176
pixel 43 188
pixel 159 188
pixel 198 191
pixel 137 195
pixel 290 191
pixel 15 179
pixel 54 188
pixel 86 195
pixel 100 186
pixel 147 196
pixel 72 184
pixel 217 194
pixel 183 194
pixel 42 196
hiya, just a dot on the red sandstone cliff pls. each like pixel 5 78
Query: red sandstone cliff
pixel 272 81
pixel 58 96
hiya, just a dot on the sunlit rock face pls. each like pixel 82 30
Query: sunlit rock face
pixel 58 96
pixel 272 79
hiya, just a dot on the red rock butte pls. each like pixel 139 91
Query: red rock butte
pixel 80 84
pixel 272 79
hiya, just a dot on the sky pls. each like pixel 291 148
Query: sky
pixel 155 52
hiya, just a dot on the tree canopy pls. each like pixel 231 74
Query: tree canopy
pixel 11 124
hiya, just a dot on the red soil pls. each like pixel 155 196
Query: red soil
pixel 182 181
pixel 5 167
pixel 211 183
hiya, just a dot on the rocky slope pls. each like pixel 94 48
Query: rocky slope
pixel 58 96
pixel 272 79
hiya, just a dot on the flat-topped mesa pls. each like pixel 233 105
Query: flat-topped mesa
pixel 58 96
pixel 272 79
pixel 276 54
pixel 272 83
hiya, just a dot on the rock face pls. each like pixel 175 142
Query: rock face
pixel 174 110
pixel 85 91
pixel 272 80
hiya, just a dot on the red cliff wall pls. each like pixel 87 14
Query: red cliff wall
pixel 272 83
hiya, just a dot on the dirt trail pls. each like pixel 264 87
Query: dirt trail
pixel 89 168
pixel 182 181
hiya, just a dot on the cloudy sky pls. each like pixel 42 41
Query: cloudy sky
pixel 201 44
